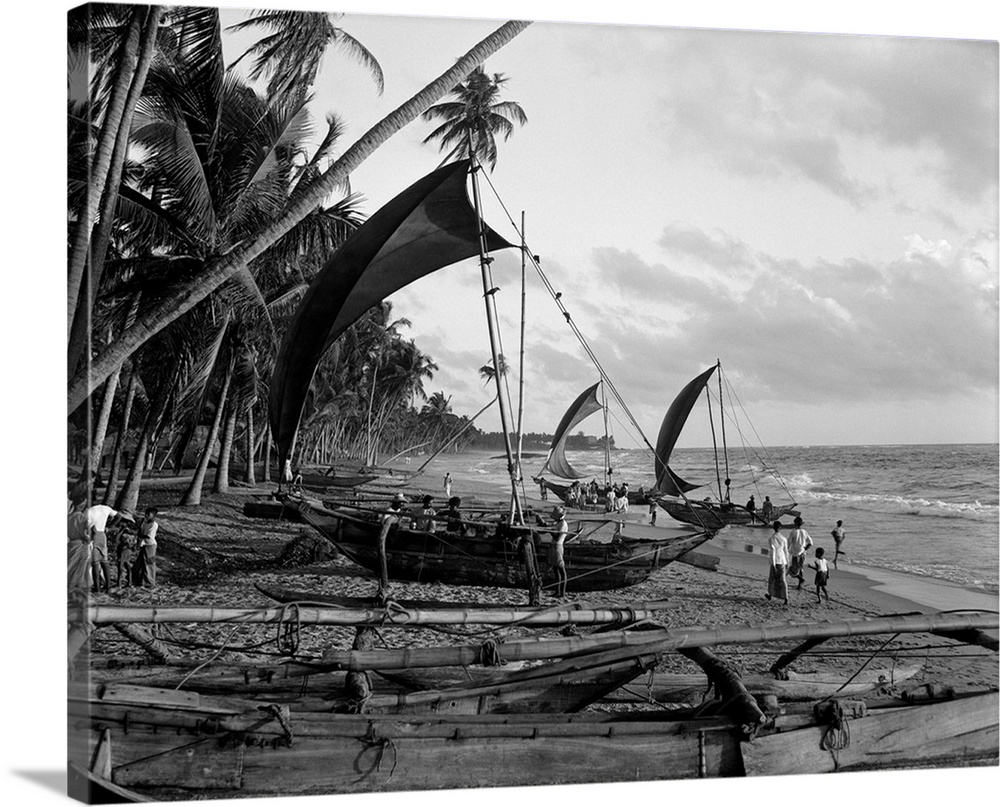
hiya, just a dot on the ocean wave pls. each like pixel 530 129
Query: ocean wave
pixel 901 505
pixel 947 573
pixel 800 482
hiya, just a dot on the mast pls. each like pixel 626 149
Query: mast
pixel 493 326
pixel 520 379
pixel 715 445
pixel 722 420
pixel 607 438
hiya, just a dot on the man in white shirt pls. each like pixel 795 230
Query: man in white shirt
pixel 98 517
pixel 798 542
pixel 777 544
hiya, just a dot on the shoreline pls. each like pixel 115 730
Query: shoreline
pixel 890 590
pixel 898 591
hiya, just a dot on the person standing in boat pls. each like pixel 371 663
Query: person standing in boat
pixel 767 509
pixel 798 542
pixel 777 587
pixel 425 521
pixel 838 538
pixel 453 515
pixel 751 505
pixel 542 489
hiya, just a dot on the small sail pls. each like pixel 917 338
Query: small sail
pixel 426 227
pixel 584 406
pixel 666 480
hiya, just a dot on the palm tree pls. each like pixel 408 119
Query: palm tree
pixel 290 56
pixel 126 49
pixel 487 371
pixel 473 120
pixel 227 265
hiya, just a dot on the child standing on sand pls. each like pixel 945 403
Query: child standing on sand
pixel 822 574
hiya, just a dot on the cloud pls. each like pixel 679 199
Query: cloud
pixel 773 105
pixel 917 327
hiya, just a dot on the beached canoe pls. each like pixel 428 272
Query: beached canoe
pixel 715 516
pixel 603 555
pixel 180 745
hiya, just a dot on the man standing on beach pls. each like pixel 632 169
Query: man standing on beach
pixel 777 544
pixel 838 538
pixel 556 558
pixel 98 517
pixel 798 542
pixel 447 485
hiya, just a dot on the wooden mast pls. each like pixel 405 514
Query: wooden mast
pixel 492 324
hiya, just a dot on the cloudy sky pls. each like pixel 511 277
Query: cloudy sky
pixel 817 211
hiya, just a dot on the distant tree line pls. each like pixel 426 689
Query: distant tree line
pixel 535 441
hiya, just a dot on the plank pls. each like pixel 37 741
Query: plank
pixel 886 737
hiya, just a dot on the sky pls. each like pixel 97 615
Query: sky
pixel 817 211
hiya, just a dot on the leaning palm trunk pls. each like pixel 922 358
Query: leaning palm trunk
pixel 221 269
pixel 137 54
pixel 193 494
pixel 116 456
pixel 249 476
pixel 129 497
pixel 94 266
pixel 103 418
pixel 267 451
pixel 225 452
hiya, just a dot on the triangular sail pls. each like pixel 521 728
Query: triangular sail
pixel 584 406
pixel 426 227
pixel 667 481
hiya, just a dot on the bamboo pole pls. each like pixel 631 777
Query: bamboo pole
pixel 533 649
pixel 390 616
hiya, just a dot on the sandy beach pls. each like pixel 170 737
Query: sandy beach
pixel 214 555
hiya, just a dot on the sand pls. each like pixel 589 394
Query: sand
pixel 245 551
pixel 239 553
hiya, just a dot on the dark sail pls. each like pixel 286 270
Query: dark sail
pixel 584 406
pixel 667 481
pixel 428 226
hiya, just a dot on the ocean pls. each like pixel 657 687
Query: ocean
pixel 929 510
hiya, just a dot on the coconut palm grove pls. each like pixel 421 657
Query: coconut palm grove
pixel 203 196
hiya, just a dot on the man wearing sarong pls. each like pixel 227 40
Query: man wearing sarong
pixel 79 550
pixel 798 542
pixel 777 588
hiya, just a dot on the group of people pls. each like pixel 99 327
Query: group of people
pixel 766 509
pixel 788 559
pixel 428 518
pixel 99 534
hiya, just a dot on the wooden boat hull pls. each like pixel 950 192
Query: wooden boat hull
pixel 174 745
pixel 592 564
pixel 713 516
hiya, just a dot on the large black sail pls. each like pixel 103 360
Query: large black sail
pixel 667 481
pixel 430 225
